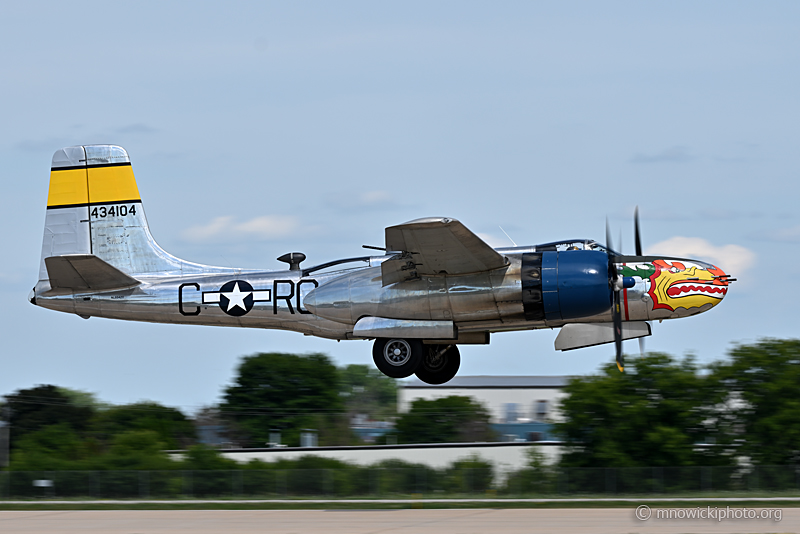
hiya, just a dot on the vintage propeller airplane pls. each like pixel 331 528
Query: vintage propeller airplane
pixel 436 285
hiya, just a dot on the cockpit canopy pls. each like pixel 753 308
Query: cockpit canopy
pixel 574 244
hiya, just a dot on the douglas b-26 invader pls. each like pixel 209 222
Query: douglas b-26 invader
pixel 435 284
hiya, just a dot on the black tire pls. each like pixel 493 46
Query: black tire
pixel 397 358
pixel 439 364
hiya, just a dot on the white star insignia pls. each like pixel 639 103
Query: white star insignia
pixel 236 297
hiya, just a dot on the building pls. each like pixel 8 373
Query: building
pixel 504 457
pixel 522 408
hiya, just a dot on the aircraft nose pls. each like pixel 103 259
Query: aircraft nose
pixel 681 287
pixel 718 286
pixel 722 281
pixel 32 297
pixel 711 285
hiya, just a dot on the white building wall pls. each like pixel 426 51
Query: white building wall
pixel 507 457
pixel 495 399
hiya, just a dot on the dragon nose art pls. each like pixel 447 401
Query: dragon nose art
pixel 715 288
pixel 725 279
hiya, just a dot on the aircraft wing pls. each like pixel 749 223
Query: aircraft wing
pixel 85 272
pixel 435 245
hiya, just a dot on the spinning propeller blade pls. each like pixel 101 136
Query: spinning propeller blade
pixel 615 283
pixel 617 316
pixel 637 235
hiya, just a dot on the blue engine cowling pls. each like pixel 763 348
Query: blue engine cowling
pixel 565 285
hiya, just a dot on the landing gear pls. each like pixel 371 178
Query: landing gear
pixel 439 364
pixel 397 358
pixel 401 358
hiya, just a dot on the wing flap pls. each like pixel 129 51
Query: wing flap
pixel 579 335
pixel 436 245
pixel 85 272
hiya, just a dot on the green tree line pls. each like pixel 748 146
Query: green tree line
pixel 662 412
pixel 667 412
pixel 54 428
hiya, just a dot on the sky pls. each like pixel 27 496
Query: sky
pixel 260 128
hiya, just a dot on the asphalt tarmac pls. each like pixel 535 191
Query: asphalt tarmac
pixel 563 520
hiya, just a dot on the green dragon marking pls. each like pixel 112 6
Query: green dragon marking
pixel 640 270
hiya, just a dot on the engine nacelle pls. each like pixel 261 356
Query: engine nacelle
pixel 565 285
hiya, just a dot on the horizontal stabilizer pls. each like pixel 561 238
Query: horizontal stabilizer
pixel 82 272
pixel 434 246
pixel 371 327
pixel 579 335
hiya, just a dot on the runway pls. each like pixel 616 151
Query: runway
pixel 564 520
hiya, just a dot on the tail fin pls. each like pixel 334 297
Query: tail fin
pixel 94 208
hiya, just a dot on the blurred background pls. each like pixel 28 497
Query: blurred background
pixel 260 128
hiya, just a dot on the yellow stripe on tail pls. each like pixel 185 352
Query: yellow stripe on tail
pixel 112 184
pixel 68 188
pixel 92 185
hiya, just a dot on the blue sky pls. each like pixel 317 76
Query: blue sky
pixel 259 128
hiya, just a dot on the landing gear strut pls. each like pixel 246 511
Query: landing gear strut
pixel 401 358
pixel 439 364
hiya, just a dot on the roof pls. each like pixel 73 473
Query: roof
pixel 492 382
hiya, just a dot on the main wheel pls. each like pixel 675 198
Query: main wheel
pixel 439 364
pixel 397 358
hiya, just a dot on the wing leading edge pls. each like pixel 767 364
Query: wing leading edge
pixel 435 246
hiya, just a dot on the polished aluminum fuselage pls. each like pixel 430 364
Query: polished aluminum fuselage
pixel 489 301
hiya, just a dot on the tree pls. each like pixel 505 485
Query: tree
pixel 366 390
pixel 654 414
pixel 78 397
pixel 536 477
pixel 763 380
pixel 451 419
pixel 172 428
pixel 203 457
pixel 287 392
pixel 52 447
pixel 41 406
pixel 135 449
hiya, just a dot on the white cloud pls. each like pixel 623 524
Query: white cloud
pixel 733 259
pixel 227 227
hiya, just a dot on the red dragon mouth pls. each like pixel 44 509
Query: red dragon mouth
pixel 685 288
